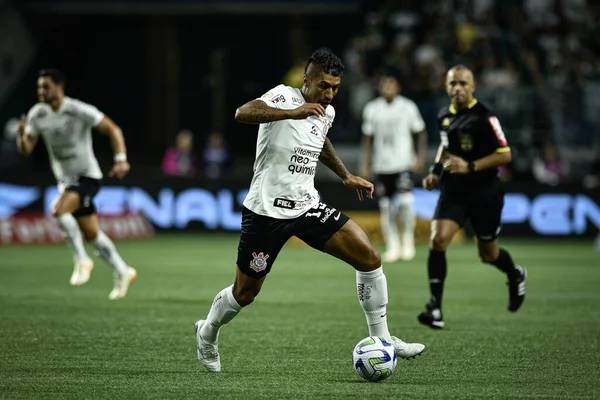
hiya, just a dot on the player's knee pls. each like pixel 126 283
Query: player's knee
pixel 439 242
pixel 89 235
pixel 58 209
pixel 487 256
pixel 245 295
pixel 371 261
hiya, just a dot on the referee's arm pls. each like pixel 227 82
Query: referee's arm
pixel 502 155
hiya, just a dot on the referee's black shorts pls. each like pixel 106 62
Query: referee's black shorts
pixel 480 205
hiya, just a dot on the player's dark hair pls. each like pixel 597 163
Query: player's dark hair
pixel 327 62
pixel 58 77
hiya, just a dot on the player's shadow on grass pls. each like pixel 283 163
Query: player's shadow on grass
pixel 389 381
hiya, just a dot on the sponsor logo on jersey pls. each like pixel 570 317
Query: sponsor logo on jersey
pixel 259 261
pixel 284 203
pixel 296 100
pixel 278 99
pixel 301 159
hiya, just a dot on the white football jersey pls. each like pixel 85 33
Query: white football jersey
pixel 287 153
pixel 392 126
pixel 67 133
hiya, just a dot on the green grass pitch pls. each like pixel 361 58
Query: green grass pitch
pixel 296 340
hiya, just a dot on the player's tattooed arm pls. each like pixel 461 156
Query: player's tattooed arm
pixel 258 112
pixel 329 157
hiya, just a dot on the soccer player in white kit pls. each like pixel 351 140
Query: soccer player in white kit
pixel 283 202
pixel 66 125
pixel 389 123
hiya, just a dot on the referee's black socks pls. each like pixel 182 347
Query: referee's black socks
pixel 437 267
pixel 505 264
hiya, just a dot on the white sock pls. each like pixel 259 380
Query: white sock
pixel 224 308
pixel 389 226
pixel 68 224
pixel 373 298
pixel 407 218
pixel 106 249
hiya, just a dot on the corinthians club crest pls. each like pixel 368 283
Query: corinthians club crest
pixel 259 261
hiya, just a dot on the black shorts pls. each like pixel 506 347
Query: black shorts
pixel 482 207
pixel 263 237
pixel 87 188
pixel 386 185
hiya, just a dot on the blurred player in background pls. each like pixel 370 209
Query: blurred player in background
pixel 389 123
pixel 472 147
pixel 283 202
pixel 66 125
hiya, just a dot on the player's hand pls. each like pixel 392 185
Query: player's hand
pixel 308 109
pixel 21 127
pixel 120 169
pixel 456 165
pixel 360 184
pixel 430 181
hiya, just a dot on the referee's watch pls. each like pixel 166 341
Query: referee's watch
pixel 471 166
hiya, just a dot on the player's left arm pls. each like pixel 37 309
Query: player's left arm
pixel 108 127
pixel 502 155
pixel 331 160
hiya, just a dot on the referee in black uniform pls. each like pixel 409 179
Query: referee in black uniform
pixel 473 146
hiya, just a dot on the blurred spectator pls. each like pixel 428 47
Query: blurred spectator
pixel 215 156
pixel 549 167
pixel 180 159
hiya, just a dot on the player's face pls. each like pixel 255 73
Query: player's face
pixel 321 88
pixel 460 86
pixel 47 90
pixel 389 88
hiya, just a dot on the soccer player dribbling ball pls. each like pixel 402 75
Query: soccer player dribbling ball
pixel 282 202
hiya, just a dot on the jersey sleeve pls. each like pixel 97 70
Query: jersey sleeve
pixel 497 134
pixel 367 122
pixel 30 123
pixel 416 121
pixel 276 97
pixel 89 113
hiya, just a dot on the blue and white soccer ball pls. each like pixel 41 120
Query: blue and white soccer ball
pixel 374 359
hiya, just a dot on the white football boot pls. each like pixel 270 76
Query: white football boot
pixel 122 283
pixel 407 350
pixel 208 353
pixel 81 271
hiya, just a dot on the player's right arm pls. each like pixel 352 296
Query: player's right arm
pixel 259 112
pixel 26 136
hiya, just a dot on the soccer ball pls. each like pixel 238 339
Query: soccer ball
pixel 374 359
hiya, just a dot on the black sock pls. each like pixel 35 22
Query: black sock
pixel 505 264
pixel 436 267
